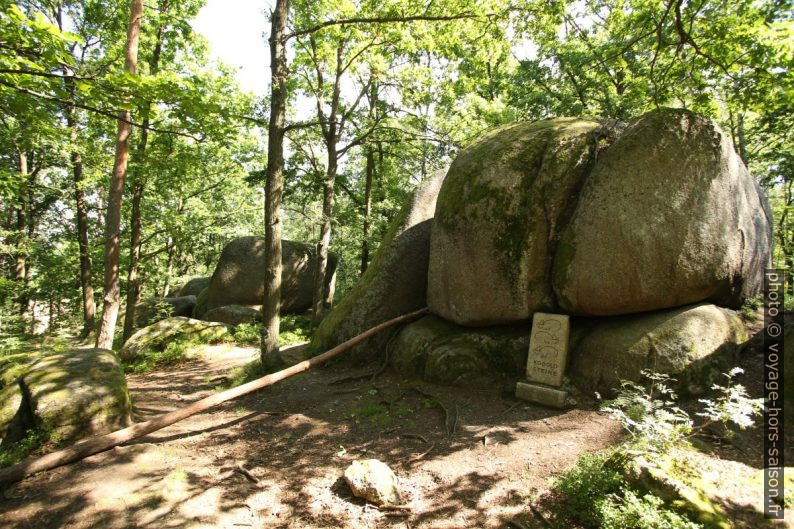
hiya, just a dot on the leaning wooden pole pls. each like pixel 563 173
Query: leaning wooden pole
pixel 95 445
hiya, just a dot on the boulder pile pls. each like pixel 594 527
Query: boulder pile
pixel 647 233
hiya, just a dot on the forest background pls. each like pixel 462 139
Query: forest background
pixel 378 95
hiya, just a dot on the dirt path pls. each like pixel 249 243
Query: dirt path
pixel 297 438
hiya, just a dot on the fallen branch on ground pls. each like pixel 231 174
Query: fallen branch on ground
pixel 95 445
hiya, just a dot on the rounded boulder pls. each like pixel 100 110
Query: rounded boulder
pixel 669 216
pixel 239 277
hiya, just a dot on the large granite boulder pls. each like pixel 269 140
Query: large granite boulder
pixel 695 344
pixel 194 286
pixel 590 217
pixel 157 336
pixel 396 280
pixel 668 216
pixel 442 352
pixel 233 315
pixel 155 309
pixel 71 394
pixel 499 214
pixel 239 276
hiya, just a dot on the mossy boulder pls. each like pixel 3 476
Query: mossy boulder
pixel 233 315
pixel 194 286
pixel 443 352
pixel 156 309
pixel 595 218
pixel 200 307
pixel 668 216
pixel 396 280
pixel 156 337
pixel 695 344
pixel 15 416
pixel 76 393
pixel 239 276
pixel 499 213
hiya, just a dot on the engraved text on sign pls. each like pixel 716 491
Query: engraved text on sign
pixel 548 348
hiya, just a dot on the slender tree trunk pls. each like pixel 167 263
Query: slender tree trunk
pixel 271 305
pixel 742 139
pixel 370 173
pixel 133 281
pixel 136 226
pixel 367 209
pixel 319 305
pixel 169 267
pixel 107 325
pixel 21 269
pixel 81 221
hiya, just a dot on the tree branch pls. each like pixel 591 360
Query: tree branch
pixel 378 20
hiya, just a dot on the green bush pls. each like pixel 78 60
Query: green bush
pixel 177 350
pixel 596 491
pixel 247 333
pixel 596 496
pixel 655 423
pixel 293 329
pixel 629 510
pixel 18 451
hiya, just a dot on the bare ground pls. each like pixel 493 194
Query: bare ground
pixel 465 457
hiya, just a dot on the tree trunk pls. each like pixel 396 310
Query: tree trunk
pixel 133 275
pixel 21 270
pixel 133 282
pixel 271 304
pixel 320 302
pixel 110 312
pixel 169 267
pixel 367 209
pixel 370 173
pixel 81 221
pixel 742 139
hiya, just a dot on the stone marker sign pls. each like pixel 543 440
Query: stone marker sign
pixel 548 348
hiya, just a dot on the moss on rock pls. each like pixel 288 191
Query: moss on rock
pixel 668 216
pixel 200 309
pixel 694 344
pixel 499 213
pixel 156 337
pixel 442 352
pixel 395 281
pixel 77 393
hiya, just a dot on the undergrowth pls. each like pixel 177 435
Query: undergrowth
pixel 597 496
pixel 16 452
pixel 596 491
pixel 177 350
pixel 292 329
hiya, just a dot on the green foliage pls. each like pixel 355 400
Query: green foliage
pixel 630 510
pixel 655 422
pixel 294 329
pixel 247 333
pixel 750 307
pixel 596 491
pixel 177 350
pixel 375 415
pixel 587 486
pixel 18 451
pixel 649 413
pixel 598 497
